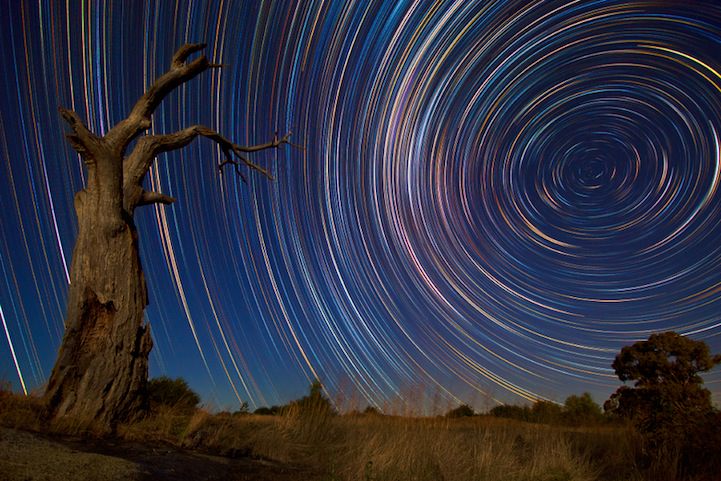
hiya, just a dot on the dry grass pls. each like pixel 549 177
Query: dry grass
pixel 375 447
pixel 18 411
pixel 387 448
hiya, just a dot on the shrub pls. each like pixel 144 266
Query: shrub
pixel 267 411
pixel 19 411
pixel 546 412
pixel 462 411
pixel 175 393
pixel 242 410
pixel 581 409
pixel 372 411
pixel 314 403
pixel 510 411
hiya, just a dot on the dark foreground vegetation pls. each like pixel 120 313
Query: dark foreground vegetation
pixel 377 447
pixel 373 446
pixel 662 428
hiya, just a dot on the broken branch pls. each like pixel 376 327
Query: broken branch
pixel 82 140
pixel 179 73
pixel 149 197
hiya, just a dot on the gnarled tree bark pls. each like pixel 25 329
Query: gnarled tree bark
pixel 101 370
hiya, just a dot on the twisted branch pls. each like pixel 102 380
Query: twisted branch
pixel 179 73
pixel 133 168
pixel 149 146
pixel 82 139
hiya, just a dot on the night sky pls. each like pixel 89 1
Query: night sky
pixel 489 201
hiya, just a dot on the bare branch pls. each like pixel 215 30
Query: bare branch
pixel 181 55
pixel 268 145
pixel 179 73
pixel 136 164
pixel 77 144
pixel 150 146
pixel 73 119
pixel 149 197
pixel 82 139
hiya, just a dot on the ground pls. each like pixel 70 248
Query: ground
pixel 34 457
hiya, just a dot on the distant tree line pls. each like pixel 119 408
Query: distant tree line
pixel 314 403
pixel 668 405
pixel 175 393
pixel 576 411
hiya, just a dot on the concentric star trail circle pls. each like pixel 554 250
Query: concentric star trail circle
pixel 488 200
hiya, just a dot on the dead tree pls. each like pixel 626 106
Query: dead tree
pixel 101 370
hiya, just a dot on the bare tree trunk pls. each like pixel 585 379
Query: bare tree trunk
pixel 101 372
pixel 102 366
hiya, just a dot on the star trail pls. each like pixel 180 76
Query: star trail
pixel 487 199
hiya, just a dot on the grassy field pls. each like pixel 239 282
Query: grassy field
pixel 373 447
pixel 367 447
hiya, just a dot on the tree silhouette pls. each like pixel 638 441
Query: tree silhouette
pixel 175 393
pixel 102 366
pixel 578 410
pixel 314 403
pixel 668 403
pixel 667 385
pixel 462 411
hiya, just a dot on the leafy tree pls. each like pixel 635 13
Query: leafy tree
pixel 315 402
pixel 668 389
pixel 510 411
pixel 546 412
pixel 665 359
pixel 581 410
pixel 163 391
pixel 462 411
pixel 668 403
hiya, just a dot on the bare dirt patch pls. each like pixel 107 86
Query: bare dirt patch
pixel 39 457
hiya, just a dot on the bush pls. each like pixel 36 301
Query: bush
pixel 19 411
pixel 577 410
pixel 582 409
pixel 372 411
pixel 314 403
pixel 546 412
pixel 701 455
pixel 175 393
pixel 510 411
pixel 540 412
pixel 267 411
pixel 462 411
